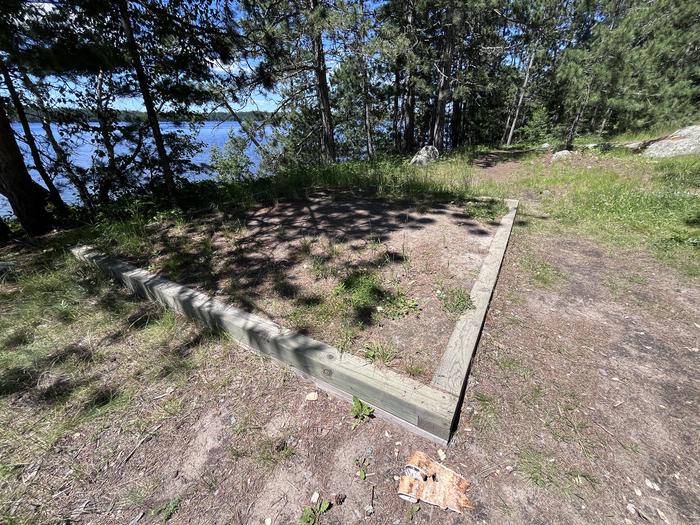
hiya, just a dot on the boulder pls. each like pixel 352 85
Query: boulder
pixel 425 155
pixel 685 141
pixel 561 155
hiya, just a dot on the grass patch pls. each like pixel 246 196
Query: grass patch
pixel 653 205
pixel 168 508
pixel 486 412
pixel 378 352
pixel 271 452
pixel 544 471
pixel 455 301
pixel 365 293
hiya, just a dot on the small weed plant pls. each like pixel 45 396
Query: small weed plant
pixel 360 411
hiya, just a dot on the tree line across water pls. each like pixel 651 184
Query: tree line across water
pixel 347 80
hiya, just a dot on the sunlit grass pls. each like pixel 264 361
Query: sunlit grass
pixel 643 204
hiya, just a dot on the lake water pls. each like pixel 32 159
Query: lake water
pixel 210 134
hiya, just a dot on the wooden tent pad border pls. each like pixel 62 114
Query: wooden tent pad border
pixel 428 410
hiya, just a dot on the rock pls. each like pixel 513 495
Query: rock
pixel 546 145
pixel 561 155
pixel 426 155
pixel 685 141
pixel 312 396
pixel 635 146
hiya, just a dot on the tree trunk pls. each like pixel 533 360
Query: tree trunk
pixel 147 100
pixel 456 124
pixel 522 96
pixel 29 137
pixel 323 92
pixel 368 115
pixel 108 180
pixel 27 198
pixel 409 115
pixel 444 87
pixel 409 99
pixel 396 117
pixel 61 155
pixel 571 134
pixel 5 232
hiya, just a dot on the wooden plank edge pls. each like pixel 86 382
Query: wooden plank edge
pixel 451 373
pixel 419 407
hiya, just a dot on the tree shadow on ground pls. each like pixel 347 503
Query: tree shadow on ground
pixel 492 158
pixel 269 243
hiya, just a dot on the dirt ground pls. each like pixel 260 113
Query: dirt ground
pixel 360 274
pixel 581 407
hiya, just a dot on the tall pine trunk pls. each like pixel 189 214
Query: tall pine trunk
pixel 323 92
pixel 27 198
pixel 368 114
pixel 29 137
pixel 409 115
pixel 396 117
pixel 444 86
pixel 147 100
pixel 523 89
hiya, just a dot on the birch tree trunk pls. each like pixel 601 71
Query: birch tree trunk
pixel 522 96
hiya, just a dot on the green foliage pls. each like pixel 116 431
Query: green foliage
pixel 381 352
pixel 360 411
pixel 361 464
pixel 232 164
pixel 618 206
pixel 537 129
pixel 412 512
pixel 168 509
pixel 311 515
pixel 455 301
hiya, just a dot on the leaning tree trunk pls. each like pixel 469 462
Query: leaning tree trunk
pixel 147 100
pixel 61 155
pixel 522 96
pixel 27 198
pixel 573 128
pixel 107 182
pixel 29 137
pixel 323 91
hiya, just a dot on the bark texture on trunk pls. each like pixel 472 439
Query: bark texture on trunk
pixel 323 92
pixel 31 143
pixel 147 100
pixel 27 198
